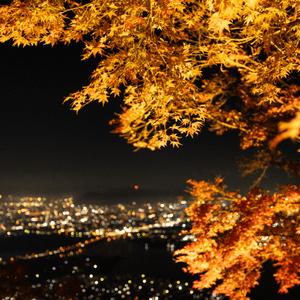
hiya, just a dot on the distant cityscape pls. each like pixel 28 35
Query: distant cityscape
pixel 68 251
pixel 41 216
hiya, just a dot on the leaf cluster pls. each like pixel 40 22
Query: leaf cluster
pixel 162 54
pixel 235 235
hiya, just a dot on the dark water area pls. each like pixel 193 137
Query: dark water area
pixel 11 246
pixel 118 261
pixel 135 259
pixel 126 256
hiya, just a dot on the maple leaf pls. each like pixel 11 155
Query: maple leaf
pixel 218 24
pixel 265 27
pixel 111 13
pixel 115 91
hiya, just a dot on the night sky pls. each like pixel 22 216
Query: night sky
pixel 48 150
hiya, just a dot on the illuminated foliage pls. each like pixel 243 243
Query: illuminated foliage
pixel 179 63
pixel 235 235
pixel 159 53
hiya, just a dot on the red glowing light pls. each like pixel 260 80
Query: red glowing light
pixel 136 187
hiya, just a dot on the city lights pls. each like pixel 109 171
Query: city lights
pixel 88 225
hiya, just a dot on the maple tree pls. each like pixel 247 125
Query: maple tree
pixel 178 64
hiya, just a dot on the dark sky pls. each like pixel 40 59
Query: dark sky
pixel 48 150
